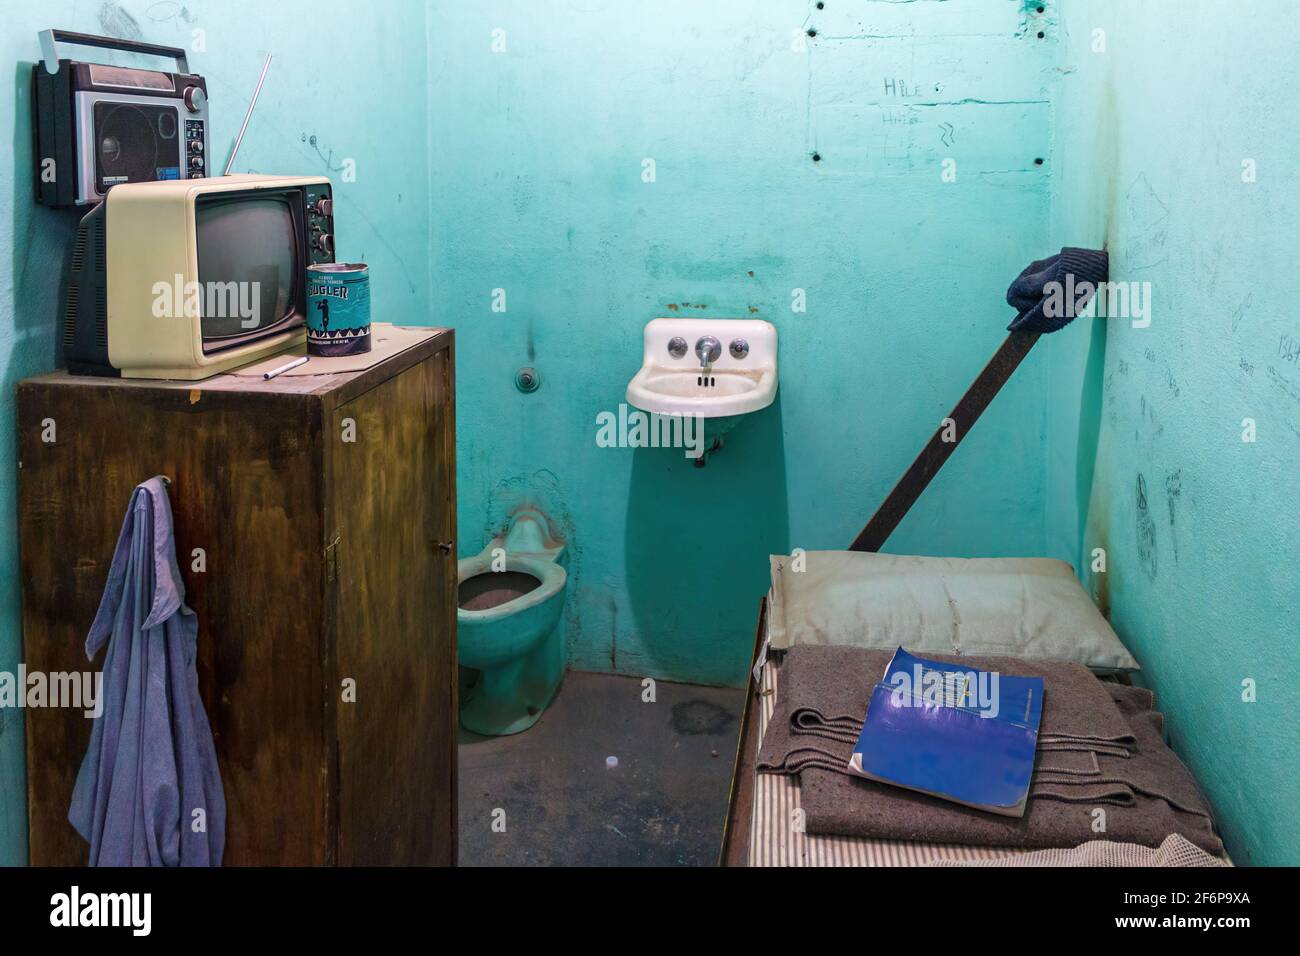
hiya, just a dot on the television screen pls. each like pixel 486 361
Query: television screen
pixel 248 265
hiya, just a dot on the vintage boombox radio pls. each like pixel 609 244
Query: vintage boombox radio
pixel 96 126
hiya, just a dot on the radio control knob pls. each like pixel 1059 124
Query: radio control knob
pixel 195 98
pixel 196 146
pixel 325 242
pixel 196 162
pixel 324 207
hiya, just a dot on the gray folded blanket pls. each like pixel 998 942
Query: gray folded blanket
pixel 1142 786
pixel 825 693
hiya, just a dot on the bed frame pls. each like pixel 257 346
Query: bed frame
pixel 740 802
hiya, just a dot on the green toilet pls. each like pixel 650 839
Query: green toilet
pixel 510 599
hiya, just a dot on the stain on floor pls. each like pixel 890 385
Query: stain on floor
pixel 555 803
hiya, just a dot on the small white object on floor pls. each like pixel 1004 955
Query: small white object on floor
pixel 611 763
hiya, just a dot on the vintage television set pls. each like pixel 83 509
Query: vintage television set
pixel 190 278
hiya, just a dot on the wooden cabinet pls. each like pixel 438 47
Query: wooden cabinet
pixel 325 510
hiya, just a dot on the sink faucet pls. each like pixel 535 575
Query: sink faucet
pixel 708 349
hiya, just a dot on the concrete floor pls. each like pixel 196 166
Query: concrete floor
pixel 663 805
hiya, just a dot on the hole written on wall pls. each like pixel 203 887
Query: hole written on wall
pixel 816 157
pixel 1038 161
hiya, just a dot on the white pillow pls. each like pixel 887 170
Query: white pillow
pixel 1031 608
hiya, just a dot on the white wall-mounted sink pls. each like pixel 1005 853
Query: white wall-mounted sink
pixel 741 377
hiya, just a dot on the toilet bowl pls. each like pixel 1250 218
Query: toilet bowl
pixel 508 626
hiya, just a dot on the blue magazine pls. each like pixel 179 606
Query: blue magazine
pixel 952 731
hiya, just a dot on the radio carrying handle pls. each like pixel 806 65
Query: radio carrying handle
pixel 50 53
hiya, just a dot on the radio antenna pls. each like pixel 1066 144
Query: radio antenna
pixel 249 115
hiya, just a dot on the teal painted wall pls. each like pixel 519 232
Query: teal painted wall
pixel 1148 460
pixel 536 188
pixel 534 159
pixel 318 107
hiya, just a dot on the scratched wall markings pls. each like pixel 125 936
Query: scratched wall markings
pixel 1147 546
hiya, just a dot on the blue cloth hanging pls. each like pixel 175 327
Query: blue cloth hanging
pixel 149 790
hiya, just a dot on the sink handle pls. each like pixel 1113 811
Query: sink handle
pixel 708 349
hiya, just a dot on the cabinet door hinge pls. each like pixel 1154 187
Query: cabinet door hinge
pixel 332 560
